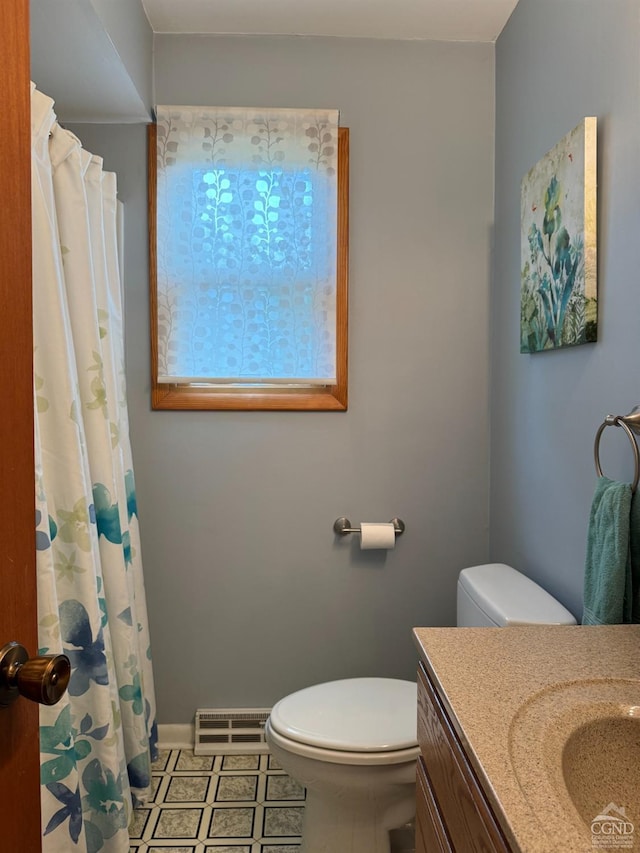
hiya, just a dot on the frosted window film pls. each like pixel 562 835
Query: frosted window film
pixel 247 210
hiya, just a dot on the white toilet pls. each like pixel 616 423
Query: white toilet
pixel 352 743
pixel 497 596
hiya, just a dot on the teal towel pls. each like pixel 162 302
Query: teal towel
pixel 608 573
pixel 632 599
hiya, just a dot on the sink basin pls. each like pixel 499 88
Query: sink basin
pixel 601 761
pixel 575 751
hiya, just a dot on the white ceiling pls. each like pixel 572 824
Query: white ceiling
pixel 440 20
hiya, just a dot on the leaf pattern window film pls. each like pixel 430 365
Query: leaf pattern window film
pixel 247 244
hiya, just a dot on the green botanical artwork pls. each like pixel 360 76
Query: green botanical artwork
pixel 558 279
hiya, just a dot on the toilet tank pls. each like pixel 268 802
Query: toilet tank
pixel 496 595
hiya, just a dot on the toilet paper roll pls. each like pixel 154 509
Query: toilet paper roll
pixel 374 535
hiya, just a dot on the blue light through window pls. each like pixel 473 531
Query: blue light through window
pixel 246 222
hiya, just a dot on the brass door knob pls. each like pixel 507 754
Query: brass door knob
pixel 42 679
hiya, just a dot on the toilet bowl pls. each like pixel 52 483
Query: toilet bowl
pixel 352 743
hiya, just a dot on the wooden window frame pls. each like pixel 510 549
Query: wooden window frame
pixel 331 398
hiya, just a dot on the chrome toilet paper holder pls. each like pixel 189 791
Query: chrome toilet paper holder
pixel 342 526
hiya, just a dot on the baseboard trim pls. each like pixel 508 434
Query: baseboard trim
pixel 176 735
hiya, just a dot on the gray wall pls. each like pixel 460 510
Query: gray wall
pixel 250 594
pixel 94 58
pixel 556 62
pixel 132 36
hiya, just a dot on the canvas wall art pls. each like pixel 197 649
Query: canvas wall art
pixel 558 296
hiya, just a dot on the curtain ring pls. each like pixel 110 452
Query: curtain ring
pixel 636 454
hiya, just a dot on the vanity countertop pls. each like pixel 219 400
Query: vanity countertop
pixel 487 676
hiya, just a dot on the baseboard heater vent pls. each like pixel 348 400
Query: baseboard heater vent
pixel 228 731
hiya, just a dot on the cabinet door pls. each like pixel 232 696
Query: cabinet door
pixel 431 836
pixel 467 816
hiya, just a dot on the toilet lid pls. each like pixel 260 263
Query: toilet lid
pixel 354 714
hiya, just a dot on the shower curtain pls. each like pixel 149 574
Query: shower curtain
pixel 98 742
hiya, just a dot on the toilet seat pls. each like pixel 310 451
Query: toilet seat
pixel 340 756
pixel 364 716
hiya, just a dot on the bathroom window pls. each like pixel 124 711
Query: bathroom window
pixel 249 250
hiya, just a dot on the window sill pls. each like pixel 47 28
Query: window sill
pixel 182 398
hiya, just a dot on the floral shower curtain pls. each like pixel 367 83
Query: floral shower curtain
pixel 98 742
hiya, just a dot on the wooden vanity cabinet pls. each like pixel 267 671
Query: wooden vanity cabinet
pixel 452 812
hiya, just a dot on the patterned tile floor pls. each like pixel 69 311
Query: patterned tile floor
pixel 225 804
pixel 219 804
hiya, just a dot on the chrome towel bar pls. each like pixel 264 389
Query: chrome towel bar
pixel 630 424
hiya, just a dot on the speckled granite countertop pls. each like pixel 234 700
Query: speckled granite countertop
pixel 504 688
